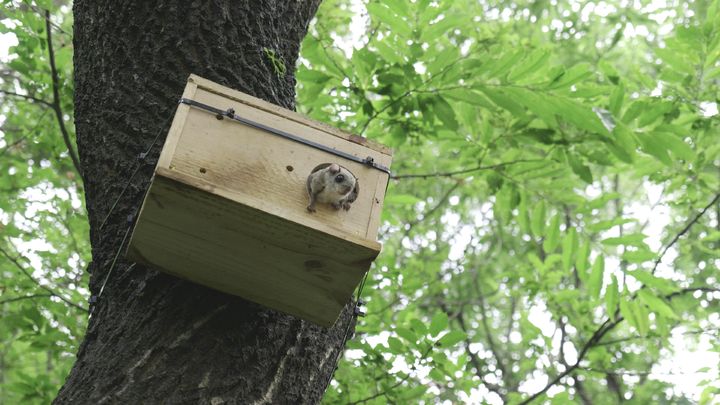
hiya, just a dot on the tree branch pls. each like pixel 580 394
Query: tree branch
pixel 462 171
pixel 44 287
pixel 606 327
pixel 27 97
pixel 488 335
pixel 56 97
pixel 692 289
pixel 24 297
pixel 475 360
pixel 684 231
pixel 594 340
pixel 433 209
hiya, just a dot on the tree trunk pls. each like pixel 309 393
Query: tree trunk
pixel 154 338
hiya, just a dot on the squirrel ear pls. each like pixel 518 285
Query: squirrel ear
pixel 334 168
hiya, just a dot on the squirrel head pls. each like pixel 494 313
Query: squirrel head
pixel 341 179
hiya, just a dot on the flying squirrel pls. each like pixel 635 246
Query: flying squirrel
pixel 330 183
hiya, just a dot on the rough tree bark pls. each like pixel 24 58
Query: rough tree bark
pixel 153 338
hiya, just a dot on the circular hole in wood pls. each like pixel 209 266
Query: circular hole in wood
pixel 203 170
pixel 289 168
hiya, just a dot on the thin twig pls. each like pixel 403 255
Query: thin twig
pixel 692 289
pixel 56 97
pixel 650 336
pixel 684 231
pixel 26 97
pixel 25 297
pixel 463 171
pixel 44 287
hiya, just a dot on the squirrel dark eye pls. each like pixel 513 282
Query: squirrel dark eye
pixel 339 178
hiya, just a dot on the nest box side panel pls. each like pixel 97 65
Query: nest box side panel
pixel 234 248
pixel 265 171
pixel 176 128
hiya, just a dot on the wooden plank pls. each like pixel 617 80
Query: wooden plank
pixel 176 128
pixel 263 206
pixel 376 210
pixel 254 166
pixel 239 250
pixel 291 115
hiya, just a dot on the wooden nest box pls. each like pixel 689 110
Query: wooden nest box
pixel 227 204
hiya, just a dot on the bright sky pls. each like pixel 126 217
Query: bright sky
pixel 678 367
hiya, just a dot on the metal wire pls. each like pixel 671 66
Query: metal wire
pixel 346 335
pixel 230 113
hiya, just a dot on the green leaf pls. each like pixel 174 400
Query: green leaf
pixel 451 338
pixel 385 15
pixel 579 115
pixel 396 345
pixel 438 324
pixel 499 67
pixel 651 146
pixel 625 144
pixel 627 313
pixel 596 277
pixel 631 239
pixel 436 30
pixel 638 256
pixel 582 260
pixel 414 392
pixel 675 145
pixel 569 247
pixel 469 96
pixel 616 99
pixel 552 234
pixel 502 100
pixel 664 285
pixel 531 64
pixel 398 6
pixel 656 304
pixel 406 334
pixel 390 54
pixel 537 220
pixel 312 76
pixel 611 296
pixel 418 326
pixel 607 224
pixel 675 60
pixel 523 217
pixel 444 111
pixel 641 317
pixel 572 76
pixel 579 168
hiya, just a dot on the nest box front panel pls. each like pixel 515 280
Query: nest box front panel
pixel 265 170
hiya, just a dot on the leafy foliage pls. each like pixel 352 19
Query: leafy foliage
pixel 552 227
pixel 522 257
pixel 43 228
